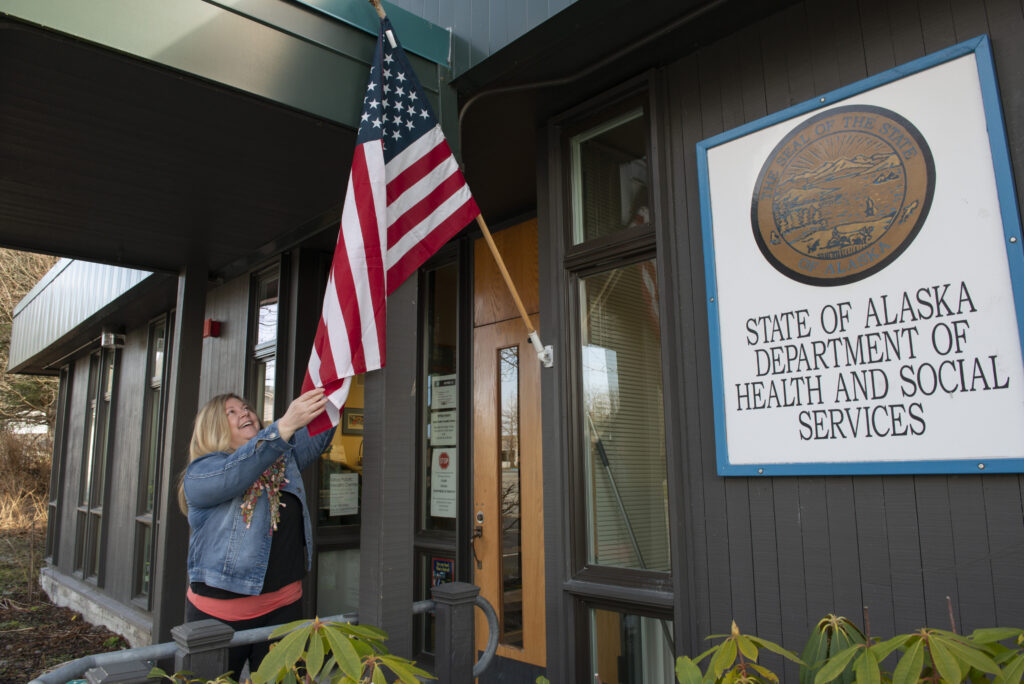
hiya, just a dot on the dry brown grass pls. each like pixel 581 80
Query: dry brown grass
pixel 24 481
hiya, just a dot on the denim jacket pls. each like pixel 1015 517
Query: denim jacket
pixel 222 551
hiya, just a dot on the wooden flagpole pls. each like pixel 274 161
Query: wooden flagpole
pixel 543 353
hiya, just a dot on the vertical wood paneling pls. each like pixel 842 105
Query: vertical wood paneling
pixel 224 356
pixel 873 542
pixel 737 495
pixel 73 464
pixel 973 559
pixel 907 34
pixel 775 42
pixel 1003 508
pixel 124 466
pixel 716 511
pixel 937 557
pixel 844 548
pixel 1006 28
pixel 684 133
pixel 936 25
pixel 904 553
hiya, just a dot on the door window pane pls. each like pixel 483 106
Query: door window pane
pixel 623 419
pixel 341 465
pixel 264 388
pixel 266 309
pixel 337 582
pixel 511 557
pixel 609 177
pixel 439 462
pixel 630 649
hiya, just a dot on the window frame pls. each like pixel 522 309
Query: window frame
pixel 151 437
pixel 91 519
pixel 58 468
pixel 579 261
pixel 258 353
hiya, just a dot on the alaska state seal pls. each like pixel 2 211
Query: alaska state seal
pixel 842 195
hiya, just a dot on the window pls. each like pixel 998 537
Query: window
pixel 440 469
pixel 149 469
pixel 60 444
pixel 626 648
pixel 264 350
pixel 623 419
pixel 95 457
pixel 622 509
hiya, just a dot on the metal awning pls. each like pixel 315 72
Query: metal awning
pixel 151 134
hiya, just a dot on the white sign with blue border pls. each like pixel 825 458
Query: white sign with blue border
pixel 865 279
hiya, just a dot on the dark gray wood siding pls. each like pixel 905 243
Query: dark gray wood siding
pixel 778 554
pixel 123 469
pixel 224 356
pixel 79 373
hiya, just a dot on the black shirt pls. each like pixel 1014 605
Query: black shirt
pixel 287 561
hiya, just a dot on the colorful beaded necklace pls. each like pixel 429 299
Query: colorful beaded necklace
pixel 272 480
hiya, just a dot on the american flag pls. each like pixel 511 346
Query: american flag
pixel 406 197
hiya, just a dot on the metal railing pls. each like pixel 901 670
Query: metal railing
pixel 201 647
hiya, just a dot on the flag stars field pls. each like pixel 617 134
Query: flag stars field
pixel 405 198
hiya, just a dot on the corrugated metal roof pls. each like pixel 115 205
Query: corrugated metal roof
pixel 68 295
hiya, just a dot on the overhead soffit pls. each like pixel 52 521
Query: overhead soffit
pixel 584 50
pixel 108 154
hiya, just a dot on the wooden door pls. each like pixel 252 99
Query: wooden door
pixel 507 485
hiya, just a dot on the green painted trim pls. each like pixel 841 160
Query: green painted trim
pixel 418 35
pixel 275 50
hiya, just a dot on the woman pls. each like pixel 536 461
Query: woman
pixel 246 505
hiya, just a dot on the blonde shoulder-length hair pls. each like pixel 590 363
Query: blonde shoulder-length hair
pixel 211 433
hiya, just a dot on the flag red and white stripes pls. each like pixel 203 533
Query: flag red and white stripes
pixel 405 198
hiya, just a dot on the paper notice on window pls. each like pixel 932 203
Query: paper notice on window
pixel 344 494
pixel 443 391
pixel 443 428
pixel 444 484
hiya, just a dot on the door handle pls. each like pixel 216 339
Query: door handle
pixel 478 531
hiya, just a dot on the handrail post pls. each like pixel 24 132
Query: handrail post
pixel 454 646
pixel 202 648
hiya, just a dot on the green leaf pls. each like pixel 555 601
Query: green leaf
pixel 367 631
pixel 775 648
pixel 835 665
pixel 765 672
pixel 271 666
pixel 944 662
pixel 972 656
pixel 344 653
pixel 687 671
pixel 378 676
pixel 909 667
pixel 747 647
pixel 813 654
pixel 884 648
pixel 157 673
pixel 284 629
pixel 725 657
pixel 705 654
pixel 542 680
pixel 396 665
pixel 1013 672
pixel 283 655
pixel 315 655
pixel 993 634
pixel 866 668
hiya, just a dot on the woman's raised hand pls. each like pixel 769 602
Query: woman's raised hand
pixel 303 409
